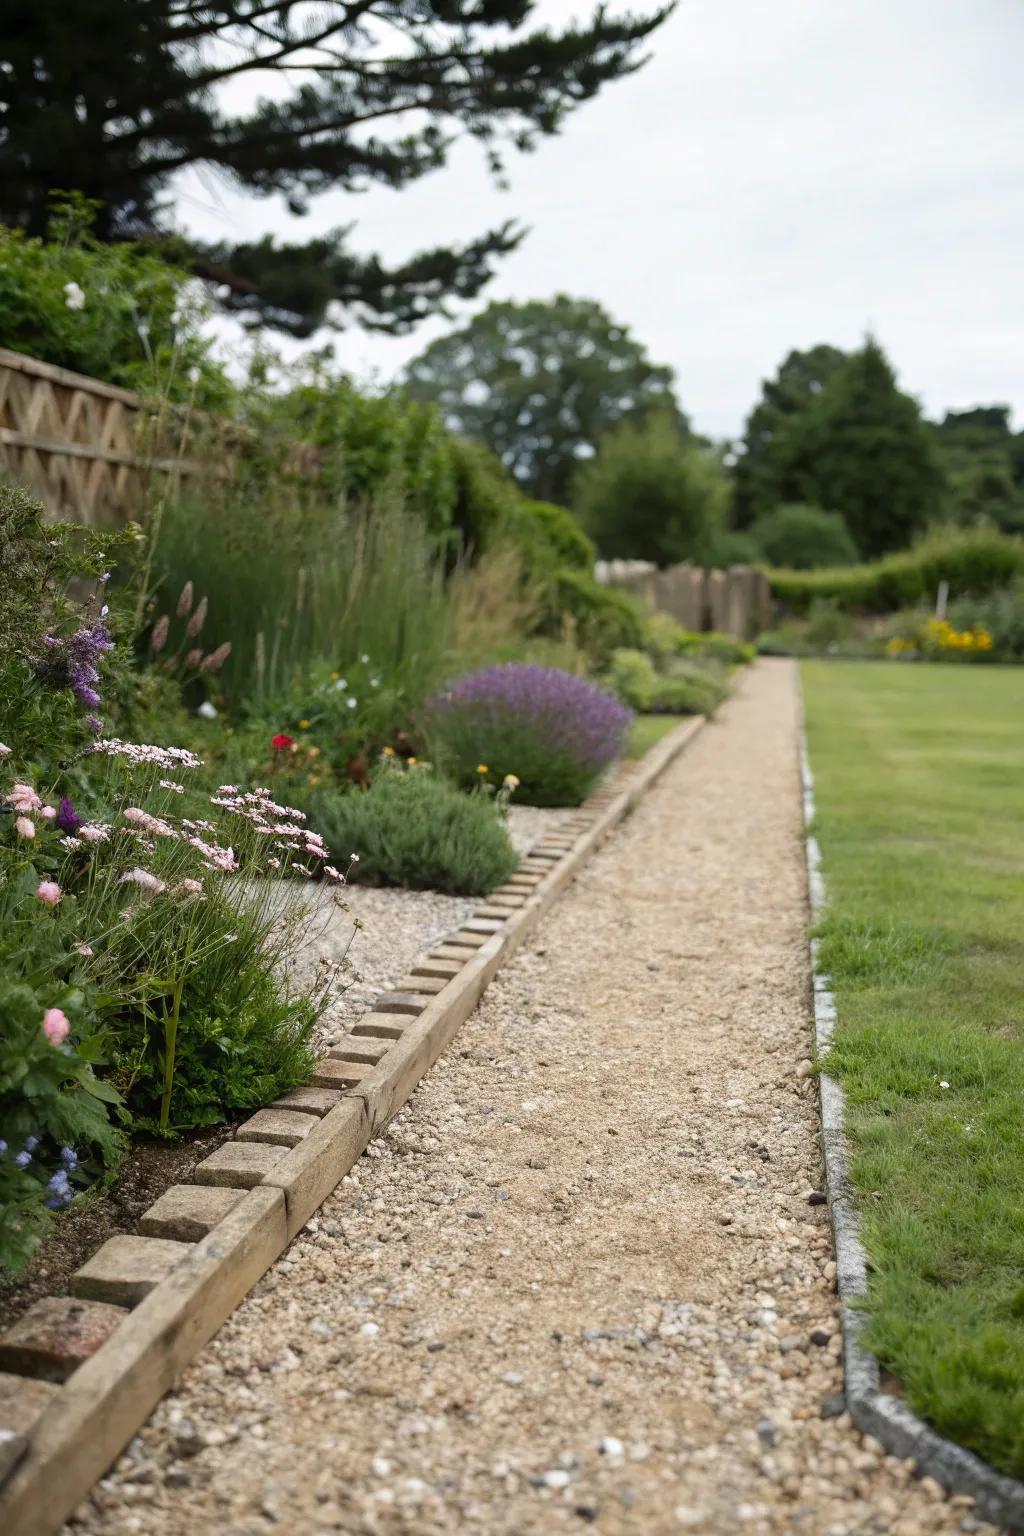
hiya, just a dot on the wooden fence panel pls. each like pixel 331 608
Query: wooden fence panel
pixel 85 448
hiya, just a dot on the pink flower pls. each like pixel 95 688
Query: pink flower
pixel 55 1026
pixel 147 883
pixel 24 827
pixel 48 891
pixel 189 888
pixel 23 798
pixel 94 832
pixel 83 949
pixel 48 813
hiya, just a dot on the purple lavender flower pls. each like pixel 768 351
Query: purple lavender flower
pixel 554 731
pixel 73 662
pixel 68 819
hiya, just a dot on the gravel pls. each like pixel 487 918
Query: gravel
pixel 599 1345
pixel 381 931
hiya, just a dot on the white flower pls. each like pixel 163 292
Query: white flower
pixel 943 1085
pixel 4 751
pixel 147 883
pixel 194 375
pixel 351 703
pixel 364 659
pixel 340 685
pixel 374 682
pixel 74 297
pixel 206 711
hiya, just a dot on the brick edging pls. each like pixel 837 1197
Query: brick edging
pixel 357 1089
pixel 998 1497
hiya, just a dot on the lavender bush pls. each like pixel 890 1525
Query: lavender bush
pixel 555 732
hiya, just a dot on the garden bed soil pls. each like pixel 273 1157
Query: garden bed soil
pixel 150 1168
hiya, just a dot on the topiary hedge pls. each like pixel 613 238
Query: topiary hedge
pixel 974 562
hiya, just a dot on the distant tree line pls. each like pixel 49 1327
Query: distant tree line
pixel 836 463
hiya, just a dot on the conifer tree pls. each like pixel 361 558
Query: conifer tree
pixel 111 98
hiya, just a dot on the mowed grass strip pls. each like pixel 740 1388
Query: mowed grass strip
pixel 647 730
pixel 919 782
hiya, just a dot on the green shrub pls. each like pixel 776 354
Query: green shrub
pixel 713 645
pixel 413 828
pixel 550 538
pixel 975 562
pixel 603 617
pixel 804 538
pixel 683 689
pixel 116 312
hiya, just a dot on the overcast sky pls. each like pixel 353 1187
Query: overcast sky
pixel 782 172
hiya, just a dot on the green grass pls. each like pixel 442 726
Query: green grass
pixel 646 731
pixel 920 800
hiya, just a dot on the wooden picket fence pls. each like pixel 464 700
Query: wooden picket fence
pixel 90 450
pixel 736 601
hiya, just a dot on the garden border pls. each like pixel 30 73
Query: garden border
pixel 94 1414
pixel 998 1497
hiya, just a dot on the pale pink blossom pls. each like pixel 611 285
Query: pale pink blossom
pixel 189 888
pixel 24 827
pixel 154 825
pixel 5 751
pixel 22 797
pixel 48 813
pixel 71 842
pixel 55 1026
pixel 94 832
pixel 147 883
pixel 84 949
pixel 48 892
pixel 179 789
pixel 334 874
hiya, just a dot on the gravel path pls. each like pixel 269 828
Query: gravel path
pixel 580 1280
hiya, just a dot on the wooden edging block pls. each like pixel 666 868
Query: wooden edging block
pixel 96 1412
pixel 437 969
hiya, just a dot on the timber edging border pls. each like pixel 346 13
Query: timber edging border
pixel 998 1497
pixel 95 1412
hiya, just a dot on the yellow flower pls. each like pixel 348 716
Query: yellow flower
pixel 511 780
pixel 312 751
pixel 335 676
pixel 303 725
pixel 411 761
pixel 482 768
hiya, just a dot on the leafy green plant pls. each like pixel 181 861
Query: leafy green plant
pixel 412 828
pixel 116 312
pixel 293 582
pixel 683 689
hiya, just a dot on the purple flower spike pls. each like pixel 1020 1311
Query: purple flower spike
pixel 68 819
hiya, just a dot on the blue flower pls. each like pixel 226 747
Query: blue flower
pixel 23 1159
pixel 3 1147
pixel 69 1157
pixel 31 1142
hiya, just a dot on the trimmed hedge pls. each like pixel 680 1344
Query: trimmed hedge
pixel 974 561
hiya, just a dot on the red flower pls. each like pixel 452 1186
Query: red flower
pixel 281 742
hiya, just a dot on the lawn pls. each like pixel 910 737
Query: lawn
pixel 919 776
pixel 646 731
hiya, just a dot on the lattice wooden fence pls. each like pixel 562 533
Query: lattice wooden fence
pixel 88 450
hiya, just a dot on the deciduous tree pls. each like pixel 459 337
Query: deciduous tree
pixel 540 384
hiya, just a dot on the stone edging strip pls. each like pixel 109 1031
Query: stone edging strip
pixel 143 1307
pixel 998 1498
